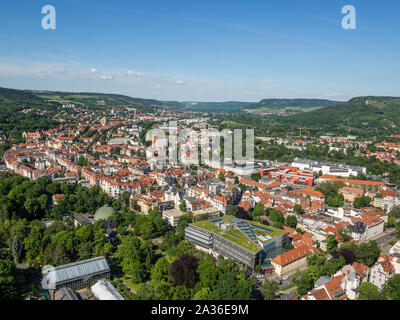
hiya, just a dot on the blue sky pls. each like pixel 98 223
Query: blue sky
pixel 203 50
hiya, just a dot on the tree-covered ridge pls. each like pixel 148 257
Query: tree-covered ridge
pixel 14 97
pixel 366 117
pixel 215 106
pixel 13 122
pixel 282 104
pixel 363 116
pixel 101 99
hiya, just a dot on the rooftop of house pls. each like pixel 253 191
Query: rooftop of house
pixel 292 255
pixel 174 212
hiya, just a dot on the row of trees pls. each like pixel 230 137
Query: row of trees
pixel 32 200
pixel 190 277
pixel 34 243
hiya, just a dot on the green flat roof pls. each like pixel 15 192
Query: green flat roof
pixel 236 236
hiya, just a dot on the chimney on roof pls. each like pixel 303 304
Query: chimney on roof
pixel 52 295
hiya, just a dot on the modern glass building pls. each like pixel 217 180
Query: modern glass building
pixel 246 242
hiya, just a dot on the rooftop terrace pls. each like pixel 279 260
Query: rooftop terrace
pixel 250 235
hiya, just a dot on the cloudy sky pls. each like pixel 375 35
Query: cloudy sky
pixel 203 50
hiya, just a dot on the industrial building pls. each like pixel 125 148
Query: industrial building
pixel 291 175
pixel 327 167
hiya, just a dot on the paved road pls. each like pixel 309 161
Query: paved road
pixel 387 236
pixel 384 239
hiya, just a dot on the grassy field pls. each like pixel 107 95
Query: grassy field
pixel 134 286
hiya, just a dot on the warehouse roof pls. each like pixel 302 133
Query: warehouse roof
pixel 75 270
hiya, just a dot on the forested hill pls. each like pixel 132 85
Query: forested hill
pixel 365 116
pixel 12 99
pixel 12 121
pixel 214 106
pixel 100 99
pixel 289 104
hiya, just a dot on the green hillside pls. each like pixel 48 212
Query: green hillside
pixel 102 99
pixel 228 106
pixel 13 122
pixel 365 116
pixel 289 105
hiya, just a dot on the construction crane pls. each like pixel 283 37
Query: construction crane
pixel 308 132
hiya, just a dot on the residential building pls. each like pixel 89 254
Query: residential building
pixel 293 260
pixel 172 216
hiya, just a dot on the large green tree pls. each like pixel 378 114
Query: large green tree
pixel 368 291
pixel 392 287
pixel 269 289
pixel 7 280
pixel 184 271
pixel 369 252
pixel 208 273
pixel 160 271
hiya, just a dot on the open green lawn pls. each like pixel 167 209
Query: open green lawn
pixel 134 286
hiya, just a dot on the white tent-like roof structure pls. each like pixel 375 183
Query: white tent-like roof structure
pixel 104 290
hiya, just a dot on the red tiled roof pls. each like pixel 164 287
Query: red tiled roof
pixel 388 193
pixel 292 255
pixel 246 205
pixel 313 193
pixel 353 182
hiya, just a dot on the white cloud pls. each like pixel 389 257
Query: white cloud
pixel 104 77
pixel 180 82
pixel 93 70
pixel 135 73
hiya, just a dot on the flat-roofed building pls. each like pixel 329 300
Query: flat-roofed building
pixel 327 167
pixel 210 212
pixel 245 242
pixel 172 216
